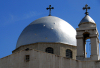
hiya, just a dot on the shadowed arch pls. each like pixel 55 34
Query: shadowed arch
pixel 68 53
pixel 86 35
pixel 49 50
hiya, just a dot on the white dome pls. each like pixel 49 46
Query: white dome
pixel 48 29
pixel 87 21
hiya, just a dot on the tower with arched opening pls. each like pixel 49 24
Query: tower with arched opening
pixel 87 30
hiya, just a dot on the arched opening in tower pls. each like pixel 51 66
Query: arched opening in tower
pixel 87 45
pixel 88 48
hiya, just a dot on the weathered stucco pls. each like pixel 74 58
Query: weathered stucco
pixel 39 59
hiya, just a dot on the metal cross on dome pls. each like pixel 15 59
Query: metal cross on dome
pixel 50 9
pixel 86 7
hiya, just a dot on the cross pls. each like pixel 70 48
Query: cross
pixel 86 7
pixel 50 9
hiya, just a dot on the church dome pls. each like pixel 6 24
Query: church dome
pixel 87 21
pixel 48 29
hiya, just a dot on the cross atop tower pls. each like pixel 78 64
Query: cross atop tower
pixel 86 7
pixel 50 9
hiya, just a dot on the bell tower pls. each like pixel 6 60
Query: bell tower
pixel 87 30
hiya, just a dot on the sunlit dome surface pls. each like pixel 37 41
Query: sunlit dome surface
pixel 87 21
pixel 48 29
pixel 87 18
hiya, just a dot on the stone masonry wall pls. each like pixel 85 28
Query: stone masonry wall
pixel 39 59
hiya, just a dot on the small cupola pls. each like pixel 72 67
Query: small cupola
pixel 87 21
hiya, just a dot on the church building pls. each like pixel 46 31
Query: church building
pixel 51 42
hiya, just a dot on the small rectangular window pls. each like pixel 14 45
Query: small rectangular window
pixel 27 58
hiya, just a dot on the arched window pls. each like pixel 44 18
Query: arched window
pixel 68 53
pixel 49 50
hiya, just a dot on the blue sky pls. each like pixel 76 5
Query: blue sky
pixel 15 15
